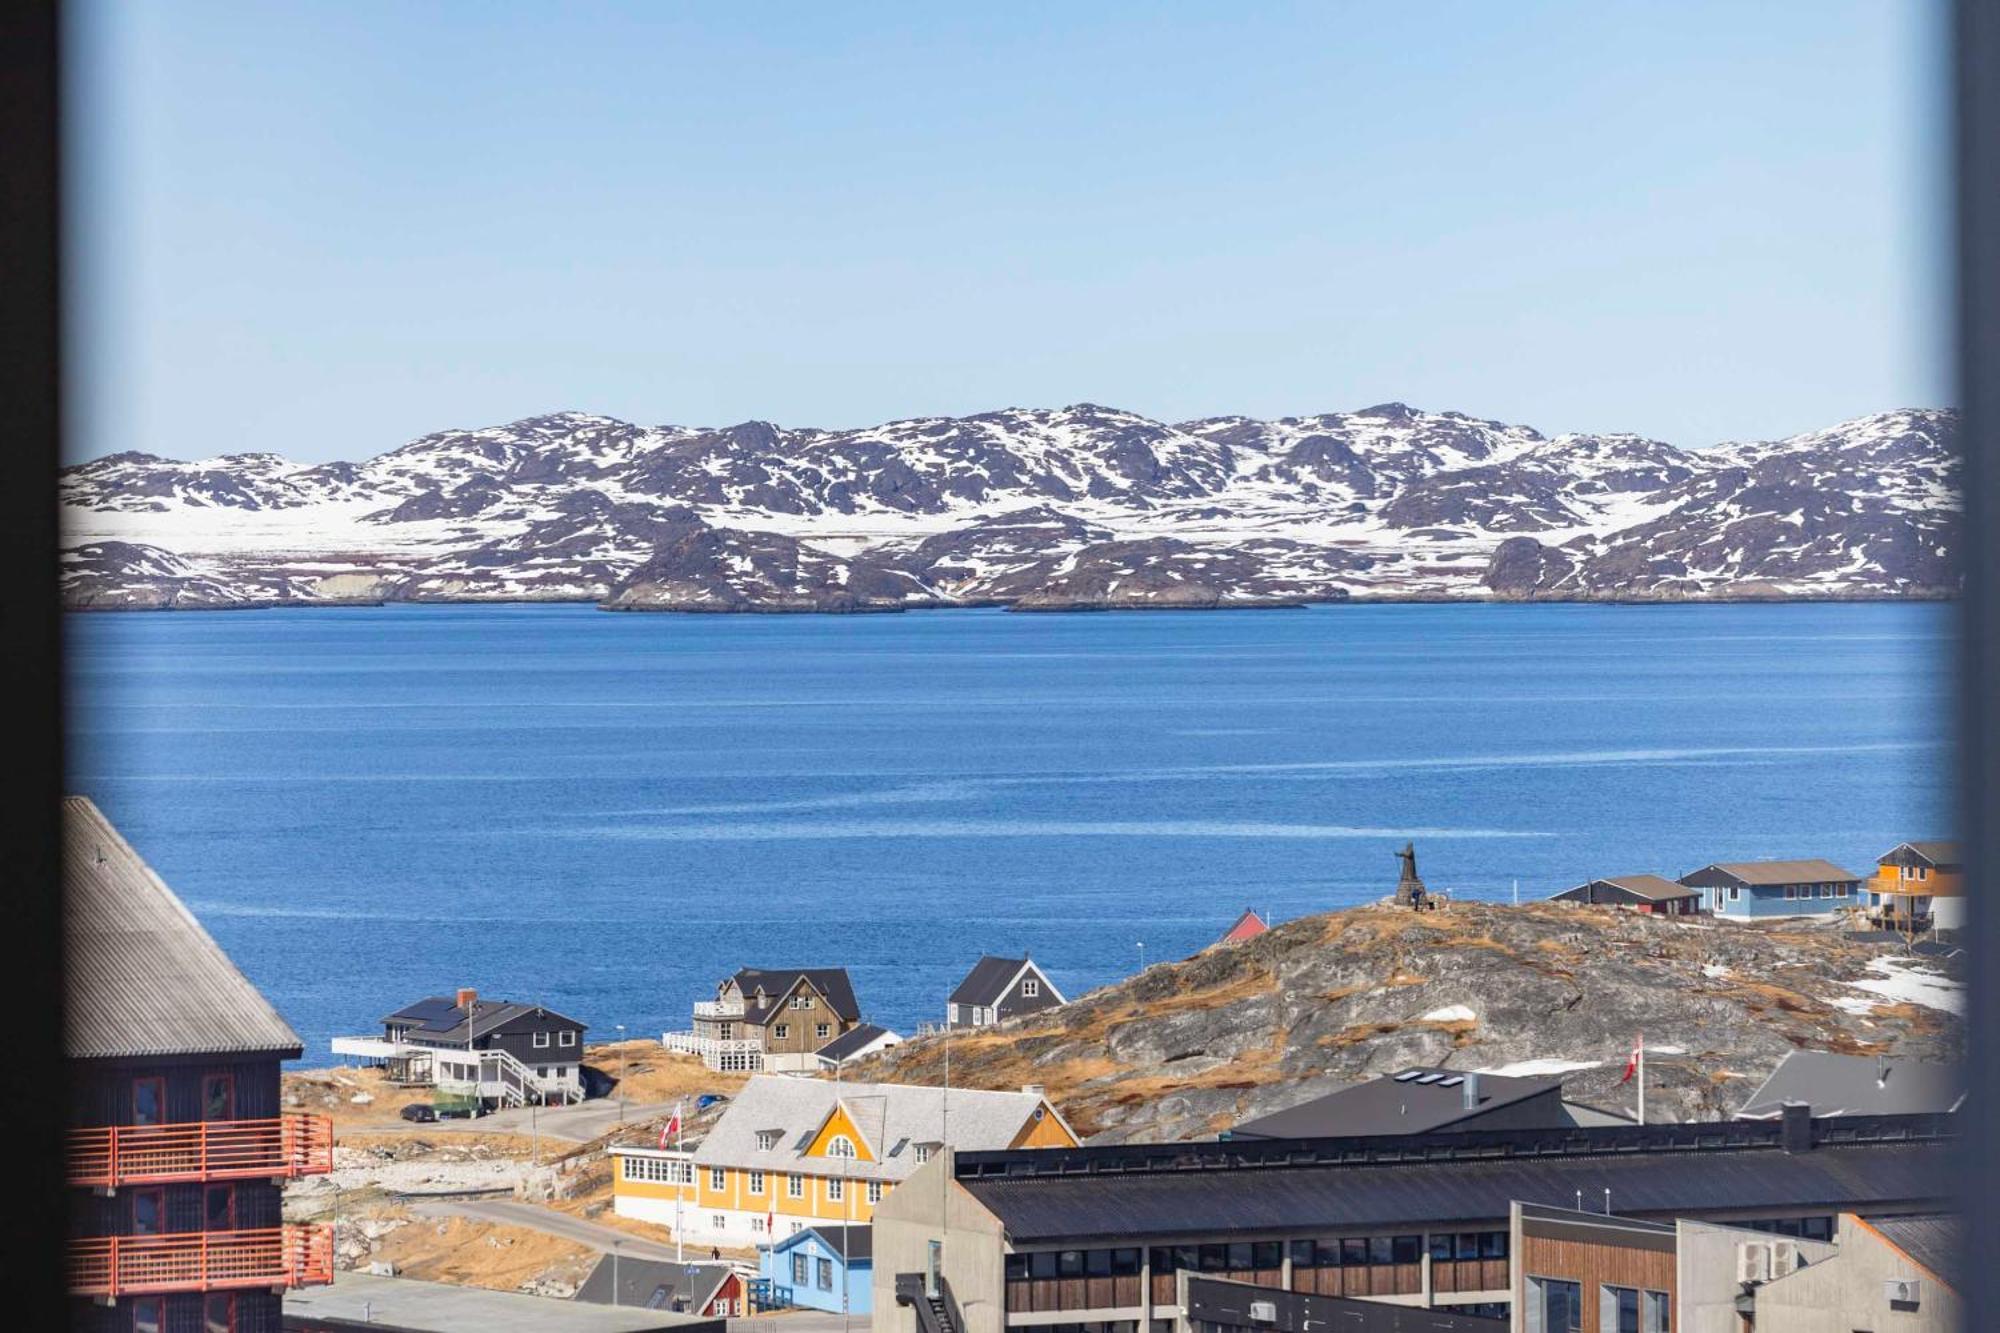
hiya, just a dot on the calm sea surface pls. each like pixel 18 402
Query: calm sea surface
pixel 606 813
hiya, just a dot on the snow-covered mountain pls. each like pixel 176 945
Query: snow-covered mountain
pixel 1082 506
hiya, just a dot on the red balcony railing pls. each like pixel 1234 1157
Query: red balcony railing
pixel 286 1256
pixel 280 1148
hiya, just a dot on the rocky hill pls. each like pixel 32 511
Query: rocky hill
pixel 1072 508
pixel 1186 1049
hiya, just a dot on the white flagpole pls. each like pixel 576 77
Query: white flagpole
pixel 1642 1078
pixel 680 1132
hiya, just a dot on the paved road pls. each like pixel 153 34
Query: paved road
pixel 512 1212
pixel 570 1124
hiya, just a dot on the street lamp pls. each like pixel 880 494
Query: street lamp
pixel 614 1272
pixel 1142 955
pixel 624 1065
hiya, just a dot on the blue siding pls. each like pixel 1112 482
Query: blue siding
pixel 821 1254
pixel 1769 900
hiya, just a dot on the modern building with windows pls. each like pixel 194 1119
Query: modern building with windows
pixel 180 1150
pixel 793 1153
pixel 1758 889
pixel 1096 1239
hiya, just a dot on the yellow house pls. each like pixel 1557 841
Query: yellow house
pixel 790 1153
pixel 1919 884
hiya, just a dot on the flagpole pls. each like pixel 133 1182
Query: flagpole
pixel 1642 1078
pixel 680 1134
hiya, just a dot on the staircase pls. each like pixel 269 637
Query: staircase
pixel 496 1075
pixel 935 1313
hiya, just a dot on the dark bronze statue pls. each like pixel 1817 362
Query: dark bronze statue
pixel 1410 891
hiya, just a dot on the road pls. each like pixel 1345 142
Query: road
pixel 512 1212
pixel 578 1123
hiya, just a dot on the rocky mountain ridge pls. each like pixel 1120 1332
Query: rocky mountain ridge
pixel 1187 1049
pixel 1078 507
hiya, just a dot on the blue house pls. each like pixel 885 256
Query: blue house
pixel 822 1266
pixel 1758 889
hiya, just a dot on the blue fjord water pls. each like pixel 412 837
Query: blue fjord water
pixel 606 813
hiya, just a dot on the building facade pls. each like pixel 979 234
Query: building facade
pixel 1750 890
pixel 827 1268
pixel 1918 886
pixel 1651 894
pixel 770 1020
pixel 494 1053
pixel 793 1153
pixel 997 989
pixel 180 1148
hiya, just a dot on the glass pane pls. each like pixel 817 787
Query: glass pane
pixel 1214 1258
pixel 1379 1251
pixel 1407 1248
pixel 1042 1263
pixel 218 1098
pixel 1441 1249
pixel 1353 1252
pixel 1239 1256
pixel 1493 1245
pixel 1468 1245
pixel 221 1208
pixel 1327 1252
pixel 1017 1267
pixel 1124 1262
pixel 219 1314
pixel 146 1315
pixel 1069 1263
pixel 146 1107
pixel 1267 1254
pixel 1302 1254
pixel 1097 1263
pixel 146 1209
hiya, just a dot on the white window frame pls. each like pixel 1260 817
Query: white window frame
pixel 1030 988
pixel 541 1041
pixel 921 1153
pixel 795 1186
pixel 874 1192
pixel 568 1038
pixel 756 1182
pixel 767 1139
pixel 841 1146
pixel 718 1178
pixel 836 1190
pixel 781 1031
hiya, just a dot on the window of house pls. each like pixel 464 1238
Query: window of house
pixel 1617 1309
pixel 826 1275
pixel 720 1222
pixel 782 1031
pixel 951 1013
pixel 1840 891
pixel 756 1182
pixel 1791 892
pixel 823 1030
pixel 795 1187
pixel 799 1262
pixel 541 1041
pixel 1554 1306
pixel 149 1101
pixel 767 1139
pixel 874 1191
pixel 567 1039
pixel 1653 1312
pixel 218 1312
pixel 922 1153
pixel 840 1146
pixel 146 1313
pixel 836 1190
pixel 717 1178
pixel 219 1208
pixel 1826 890
pixel 1031 988
pixel 218 1097
pixel 1735 892
pixel 541 1071
pixel 149 1212
pixel 978 1016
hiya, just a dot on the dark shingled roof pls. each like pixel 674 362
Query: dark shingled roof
pixel 1932 1242
pixel 440 1019
pixel 652 1284
pixel 1652 888
pixel 143 978
pixel 1296 1186
pixel 1857 1085
pixel 851 1041
pixel 1413 1101
pixel 1934 853
pixel 858 1244
pixel 987 981
pixel 831 982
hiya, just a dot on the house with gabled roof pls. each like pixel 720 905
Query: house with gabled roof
pixel 997 989
pixel 771 1019
pixel 1750 890
pixel 857 1043
pixel 497 1052
pixel 791 1153
pixel 1652 894
pixel 1247 927
pixel 825 1267
pixel 1918 886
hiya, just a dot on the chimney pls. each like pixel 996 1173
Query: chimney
pixel 1472 1092
pixel 1795 1132
pixel 467 997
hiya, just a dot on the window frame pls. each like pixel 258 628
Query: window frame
pixel 158 1085
pixel 158 1322
pixel 227 1081
pixel 157 1196
pixel 755 1184
pixel 229 1321
pixel 718 1179
pixel 540 1041
pixel 795 1186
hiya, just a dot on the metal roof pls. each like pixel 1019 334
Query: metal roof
pixel 1192 1190
pixel 441 1019
pixel 1932 1242
pixel 1834 1085
pixel 854 1243
pixel 1412 1101
pixel 142 976
pixel 407 1305
pixel 1809 871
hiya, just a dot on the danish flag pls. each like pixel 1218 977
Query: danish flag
pixel 673 1125
pixel 1632 1060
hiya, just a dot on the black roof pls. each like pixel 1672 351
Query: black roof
pixel 1932 1241
pixel 1412 1101
pixel 987 981
pixel 1834 1084
pixel 856 1243
pixel 1878 1163
pixel 1224 1303
pixel 440 1018
pixel 852 1040
pixel 831 982
pixel 652 1284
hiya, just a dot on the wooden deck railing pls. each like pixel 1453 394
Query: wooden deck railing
pixel 285 1256
pixel 280 1148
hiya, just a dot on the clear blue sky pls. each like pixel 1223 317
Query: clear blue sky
pixel 326 228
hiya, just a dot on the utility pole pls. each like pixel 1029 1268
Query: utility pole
pixel 624 1067
pixel 614 1272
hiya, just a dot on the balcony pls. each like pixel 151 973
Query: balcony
pixel 286 1256
pixel 718 1009
pixel 280 1148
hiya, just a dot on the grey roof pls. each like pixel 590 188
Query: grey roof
pixel 360 1300
pixel 143 977
pixel 777 982
pixel 1474 1185
pixel 439 1018
pixel 892 1118
pixel 1857 1085
pixel 1932 1242
pixel 856 1243
pixel 653 1284
pixel 1412 1101
pixel 1653 888
pixel 988 980
pixel 853 1041
pixel 1221 1303
pixel 1935 852
pixel 1809 871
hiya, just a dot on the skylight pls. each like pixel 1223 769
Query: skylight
pixel 1451 1082
pixel 1429 1078
pixel 1409 1074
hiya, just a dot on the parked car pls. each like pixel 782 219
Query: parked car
pixel 419 1113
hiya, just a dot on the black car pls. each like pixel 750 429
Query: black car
pixel 420 1113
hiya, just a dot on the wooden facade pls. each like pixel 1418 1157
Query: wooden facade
pixel 1600 1257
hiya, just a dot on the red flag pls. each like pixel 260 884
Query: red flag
pixel 673 1125
pixel 1632 1060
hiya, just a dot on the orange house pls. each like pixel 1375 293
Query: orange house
pixel 791 1153
pixel 1920 885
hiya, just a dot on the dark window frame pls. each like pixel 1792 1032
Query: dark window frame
pixel 159 1086
pixel 227 1081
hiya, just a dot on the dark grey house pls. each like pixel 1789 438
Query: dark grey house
pixel 1647 893
pixel 997 989
pixel 546 1044
pixel 1419 1101
pixel 708 1290
pixel 1845 1085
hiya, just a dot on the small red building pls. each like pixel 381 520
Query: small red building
pixel 1248 926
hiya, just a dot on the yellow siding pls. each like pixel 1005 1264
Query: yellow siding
pixel 736 1194
pixel 1048 1132
pixel 836 1125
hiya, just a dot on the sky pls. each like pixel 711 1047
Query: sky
pixel 324 229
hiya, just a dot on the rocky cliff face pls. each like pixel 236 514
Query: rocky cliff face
pixel 1072 508
pixel 1189 1048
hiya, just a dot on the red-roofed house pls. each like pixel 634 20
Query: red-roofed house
pixel 1248 926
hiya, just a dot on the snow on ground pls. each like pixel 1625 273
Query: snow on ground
pixel 1451 1013
pixel 1904 981
pixel 1539 1068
